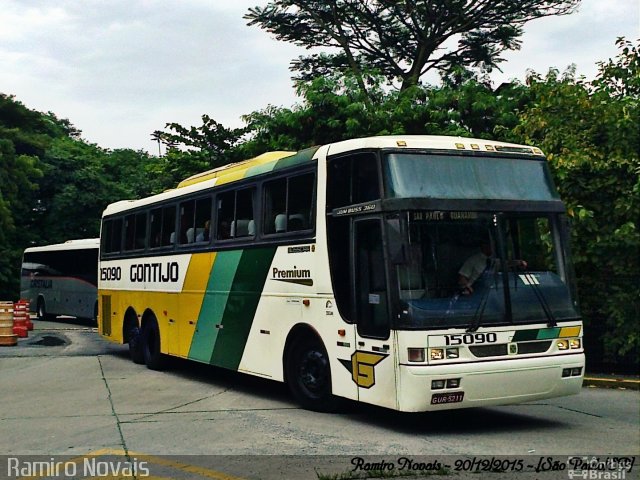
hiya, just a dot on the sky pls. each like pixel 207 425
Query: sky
pixel 121 69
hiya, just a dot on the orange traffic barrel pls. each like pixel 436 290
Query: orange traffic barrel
pixel 7 337
pixel 20 320
pixel 24 302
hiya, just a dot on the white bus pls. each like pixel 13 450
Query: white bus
pixel 337 270
pixel 62 279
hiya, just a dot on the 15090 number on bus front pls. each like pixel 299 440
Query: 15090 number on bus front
pixel 110 273
pixel 470 338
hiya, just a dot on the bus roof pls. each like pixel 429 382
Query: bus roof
pixel 271 161
pixel 80 244
pixel 264 163
pixel 433 142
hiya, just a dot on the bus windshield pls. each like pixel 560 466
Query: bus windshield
pixel 467 269
pixel 462 177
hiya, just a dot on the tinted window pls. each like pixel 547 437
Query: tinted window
pixel 288 204
pixel 235 214
pixel 111 235
pixel 162 226
pixel 135 231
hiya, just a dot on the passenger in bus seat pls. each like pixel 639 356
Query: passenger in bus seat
pixel 476 264
pixel 204 233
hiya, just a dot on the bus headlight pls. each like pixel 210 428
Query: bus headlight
pixel 575 343
pixel 563 344
pixel 453 353
pixel 436 353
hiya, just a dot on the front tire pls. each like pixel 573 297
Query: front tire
pixel 309 375
pixel 41 310
pixel 153 357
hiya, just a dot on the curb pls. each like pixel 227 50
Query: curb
pixel 623 383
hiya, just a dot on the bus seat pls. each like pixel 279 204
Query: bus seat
pixel 296 222
pixel 190 235
pixel 172 238
pixel 281 223
pixel 240 228
pixel 252 228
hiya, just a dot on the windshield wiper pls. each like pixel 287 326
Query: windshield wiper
pixel 478 314
pixel 532 282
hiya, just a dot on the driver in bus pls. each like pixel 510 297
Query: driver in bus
pixel 476 264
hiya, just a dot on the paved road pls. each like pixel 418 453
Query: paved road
pixel 86 396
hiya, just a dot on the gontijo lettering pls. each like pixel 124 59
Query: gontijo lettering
pixel 154 272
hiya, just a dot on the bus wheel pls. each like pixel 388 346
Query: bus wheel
pixel 135 345
pixel 309 375
pixel 153 357
pixel 41 310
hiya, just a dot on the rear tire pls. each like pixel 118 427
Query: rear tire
pixel 308 375
pixel 135 345
pixel 153 357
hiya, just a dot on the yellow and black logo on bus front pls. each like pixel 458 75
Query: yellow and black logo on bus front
pixel 362 368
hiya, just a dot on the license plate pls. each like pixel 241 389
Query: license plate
pixel 453 397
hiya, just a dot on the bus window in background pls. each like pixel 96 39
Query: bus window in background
pixel 62 279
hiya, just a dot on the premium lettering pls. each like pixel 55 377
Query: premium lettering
pixel 295 273
pixel 155 272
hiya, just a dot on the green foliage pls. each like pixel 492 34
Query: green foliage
pixel 54 186
pixel 207 146
pixel 401 40
pixel 590 134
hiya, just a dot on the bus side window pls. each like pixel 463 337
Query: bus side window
pixel 129 232
pixel 235 214
pixel 155 228
pixel 112 235
pixel 288 204
pixel 275 206
pixel 135 231
pixel 168 226
pixel 187 210
pixel 300 202
pixel 202 220
pixel 352 179
pixel 225 206
pixel 365 186
pixel 244 213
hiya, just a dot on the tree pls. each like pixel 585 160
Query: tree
pixel 157 136
pixel 212 140
pixel 589 132
pixel 402 40
pixel 192 150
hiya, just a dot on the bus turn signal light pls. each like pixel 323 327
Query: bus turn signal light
pixel 416 354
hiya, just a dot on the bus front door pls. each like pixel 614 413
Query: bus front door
pixel 374 359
